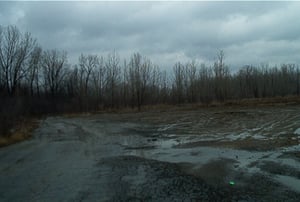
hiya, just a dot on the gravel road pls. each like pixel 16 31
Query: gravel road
pixel 151 156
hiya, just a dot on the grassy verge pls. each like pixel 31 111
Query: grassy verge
pixel 21 132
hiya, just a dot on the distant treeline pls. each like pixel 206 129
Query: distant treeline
pixel 34 81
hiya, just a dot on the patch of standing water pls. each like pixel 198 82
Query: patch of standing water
pixel 246 161
pixel 244 135
pixel 297 132
pixel 167 127
pixel 288 181
pixel 166 143
pixel 258 137
pixel 240 136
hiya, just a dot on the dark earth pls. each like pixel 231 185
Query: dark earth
pixel 215 154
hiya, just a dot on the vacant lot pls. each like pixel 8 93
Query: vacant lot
pixel 216 154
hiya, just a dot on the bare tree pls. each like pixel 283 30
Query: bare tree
pixel 205 84
pixel 73 82
pixel 33 75
pixel 153 94
pixel 298 81
pixel 178 82
pixel 88 65
pixel 54 63
pixel 15 50
pixel 99 80
pixel 113 77
pixel 140 72
pixel 164 88
pixel 126 85
pixel 192 89
pixel 2 74
pixel 222 75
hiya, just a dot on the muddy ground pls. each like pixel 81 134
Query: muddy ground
pixel 215 154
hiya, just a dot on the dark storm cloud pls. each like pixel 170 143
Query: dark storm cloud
pixel 248 32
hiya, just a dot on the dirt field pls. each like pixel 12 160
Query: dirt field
pixel 215 154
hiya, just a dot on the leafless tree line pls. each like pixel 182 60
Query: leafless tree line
pixel 33 80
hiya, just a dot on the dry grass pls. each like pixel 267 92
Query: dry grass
pixel 22 131
pixel 251 102
pixel 248 102
pixel 287 100
pixel 74 115
pixel 246 144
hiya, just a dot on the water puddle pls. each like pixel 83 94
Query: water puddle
pixel 288 181
pixel 198 158
pixel 297 132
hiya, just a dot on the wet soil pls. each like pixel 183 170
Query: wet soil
pixel 216 154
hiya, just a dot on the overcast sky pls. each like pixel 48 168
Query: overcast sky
pixel 165 32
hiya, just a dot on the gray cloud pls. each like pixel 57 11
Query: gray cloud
pixel 166 32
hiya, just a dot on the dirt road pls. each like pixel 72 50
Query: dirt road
pixel 217 154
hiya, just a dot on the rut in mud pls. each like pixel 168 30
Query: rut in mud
pixel 216 154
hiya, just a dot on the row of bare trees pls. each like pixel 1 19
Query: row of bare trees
pixel 103 82
pixel 26 69
pixel 206 84
pixel 33 80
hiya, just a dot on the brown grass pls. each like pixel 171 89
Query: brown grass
pixel 287 100
pixel 251 102
pixel 246 144
pixel 74 115
pixel 21 132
